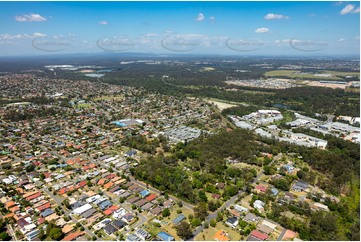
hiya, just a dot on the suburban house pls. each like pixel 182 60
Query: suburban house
pixel 232 222
pixel 221 235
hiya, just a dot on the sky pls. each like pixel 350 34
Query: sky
pixel 230 28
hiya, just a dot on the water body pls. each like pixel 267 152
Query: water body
pixel 119 124
pixel 95 75
pixel 107 70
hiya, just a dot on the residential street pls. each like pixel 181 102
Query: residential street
pixel 67 213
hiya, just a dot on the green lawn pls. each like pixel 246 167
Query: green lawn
pixel 84 105
pixel 106 98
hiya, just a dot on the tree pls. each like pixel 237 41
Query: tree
pixel 30 168
pixel 282 184
pixel 323 226
pixel 166 212
pixel 213 223
pixel 180 204
pixel 268 170
pixel 184 230
pixel 196 222
pixel 201 211
pixel 4 236
pixel 300 174
pixel 121 237
pixel 213 205
pixel 202 196
pixel 55 233
pixel 42 176
pixel 219 217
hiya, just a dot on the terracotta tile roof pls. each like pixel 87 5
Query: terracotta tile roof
pixel 110 176
pixel 9 204
pixel 38 194
pixel 72 236
pixel 41 220
pixel 216 196
pixel 43 207
pixel 151 197
pixel 28 194
pixel 101 181
pixel 259 235
pixel 221 235
pixel 111 210
pixel 63 191
pixel 14 209
pixel 108 185
pixel 81 184
pixel 289 235
pixel 261 188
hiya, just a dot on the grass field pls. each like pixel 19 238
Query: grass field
pixel 245 165
pixel 84 105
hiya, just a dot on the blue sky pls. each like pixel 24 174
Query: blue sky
pixel 260 28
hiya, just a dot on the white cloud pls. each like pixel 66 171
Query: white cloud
pixel 284 41
pixel 349 8
pixel 340 40
pixel 262 30
pixel 30 18
pixel 275 16
pixel 212 19
pixel 20 36
pixel 39 35
pixel 103 22
pixel 150 35
pixel 200 17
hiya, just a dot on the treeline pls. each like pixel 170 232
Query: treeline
pixel 239 110
pixel 141 143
